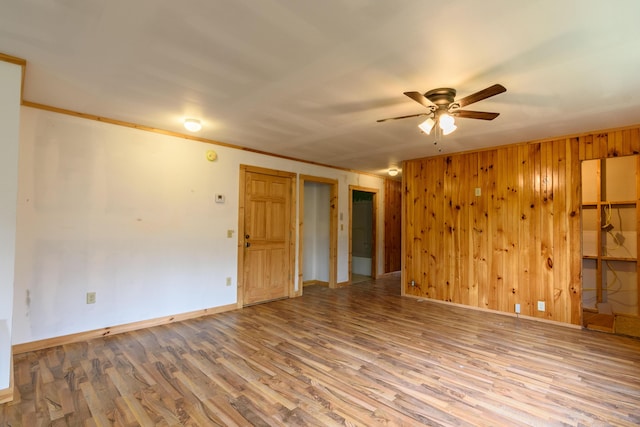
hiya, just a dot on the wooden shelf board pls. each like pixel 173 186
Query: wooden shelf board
pixel 604 203
pixel 617 258
pixel 610 258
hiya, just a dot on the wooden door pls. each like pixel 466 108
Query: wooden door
pixel 267 237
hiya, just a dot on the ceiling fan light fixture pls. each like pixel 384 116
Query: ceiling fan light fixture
pixel 427 125
pixel 449 130
pixel 441 101
pixel 446 121
pixel 447 124
pixel 192 125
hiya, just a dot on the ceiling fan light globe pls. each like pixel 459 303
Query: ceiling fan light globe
pixel 446 121
pixel 427 125
pixel 449 130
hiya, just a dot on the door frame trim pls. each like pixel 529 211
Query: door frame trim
pixel 241 212
pixel 333 228
pixel 374 238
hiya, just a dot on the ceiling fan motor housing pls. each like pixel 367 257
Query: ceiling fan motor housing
pixel 443 96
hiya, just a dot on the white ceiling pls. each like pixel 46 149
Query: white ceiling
pixel 308 79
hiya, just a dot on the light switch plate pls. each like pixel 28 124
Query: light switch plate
pixel 91 297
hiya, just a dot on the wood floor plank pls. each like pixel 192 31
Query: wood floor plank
pixel 98 411
pixel 360 355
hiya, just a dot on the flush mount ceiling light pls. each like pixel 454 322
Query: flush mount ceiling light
pixel 393 172
pixel 192 125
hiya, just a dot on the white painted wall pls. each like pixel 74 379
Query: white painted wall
pixel 130 215
pixel 317 197
pixel 10 81
pixel 361 265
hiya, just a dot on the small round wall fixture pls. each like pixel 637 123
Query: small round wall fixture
pixel 211 155
pixel 192 125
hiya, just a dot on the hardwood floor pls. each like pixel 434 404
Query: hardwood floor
pixel 359 355
pixel 357 278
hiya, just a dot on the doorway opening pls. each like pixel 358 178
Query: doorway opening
pixel 318 232
pixel 362 233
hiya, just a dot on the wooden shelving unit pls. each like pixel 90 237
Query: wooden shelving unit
pixel 610 224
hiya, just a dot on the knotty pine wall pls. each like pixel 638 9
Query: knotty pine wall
pixel 519 241
pixel 392 225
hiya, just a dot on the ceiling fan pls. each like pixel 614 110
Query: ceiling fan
pixel 443 107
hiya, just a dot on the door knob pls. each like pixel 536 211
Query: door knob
pixel 246 236
pixel 247 244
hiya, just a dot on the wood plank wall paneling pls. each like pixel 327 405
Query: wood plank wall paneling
pixel 520 240
pixel 392 225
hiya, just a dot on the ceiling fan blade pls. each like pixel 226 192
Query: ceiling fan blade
pixel 482 115
pixel 403 117
pixel 420 99
pixel 483 94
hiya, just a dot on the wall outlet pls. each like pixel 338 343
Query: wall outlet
pixel 478 192
pixel 228 281
pixel 517 308
pixel 540 305
pixel 413 283
pixel 229 234
pixel 91 297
